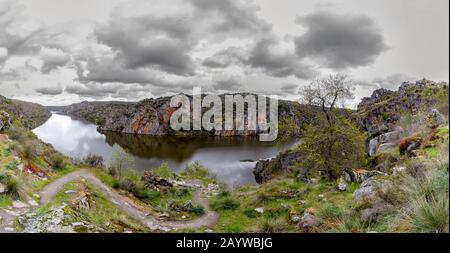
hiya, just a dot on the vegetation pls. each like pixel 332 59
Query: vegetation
pixel 332 143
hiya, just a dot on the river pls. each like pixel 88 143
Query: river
pixel 230 159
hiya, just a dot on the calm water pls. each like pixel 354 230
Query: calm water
pixel 230 159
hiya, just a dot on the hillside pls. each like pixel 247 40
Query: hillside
pixel 31 115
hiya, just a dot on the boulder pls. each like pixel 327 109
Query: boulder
pixel 360 175
pixel 308 223
pixel 266 169
pixel 435 118
pixel 367 189
pixel 5 120
pixel 259 210
pixel 342 186
pixel 386 146
pixel 2 188
pixel 369 214
pixel 373 146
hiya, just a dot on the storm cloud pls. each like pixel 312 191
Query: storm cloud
pixel 339 41
pixel 52 58
pixel 276 62
pixel 56 90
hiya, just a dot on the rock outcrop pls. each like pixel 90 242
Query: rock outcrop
pixel 152 116
pixel 267 169
pixel 379 113
pixel 31 115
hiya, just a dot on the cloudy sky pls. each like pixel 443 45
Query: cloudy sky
pixel 62 51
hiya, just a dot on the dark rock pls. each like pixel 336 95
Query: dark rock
pixel 154 182
pixel 266 169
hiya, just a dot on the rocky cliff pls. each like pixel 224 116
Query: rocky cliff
pixel 377 115
pixel 31 115
pixel 152 116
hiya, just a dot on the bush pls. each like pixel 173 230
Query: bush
pixel 250 213
pixel 272 225
pixel 28 150
pixel 198 210
pixel 225 204
pixel 57 161
pixel 195 170
pixel 12 187
pixel 95 161
pixel 163 171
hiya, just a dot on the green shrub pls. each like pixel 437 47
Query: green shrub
pixel 163 171
pixel 250 213
pixel 57 161
pixel 12 187
pixel 195 170
pixel 198 210
pixel 225 204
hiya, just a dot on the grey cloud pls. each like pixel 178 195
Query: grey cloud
pixel 339 41
pixel 278 64
pixel 56 90
pixel 225 58
pixel 52 58
pixel 227 83
pixel 14 37
pixel 164 41
pixel 391 82
pixel 289 88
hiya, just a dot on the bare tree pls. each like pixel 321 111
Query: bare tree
pixel 328 93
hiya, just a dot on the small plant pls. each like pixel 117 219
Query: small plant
pixel 195 170
pixel 272 225
pixel 250 213
pixel 198 210
pixel 329 211
pixel 12 187
pixel 225 204
pixel 432 215
pixel 163 171
pixel 57 161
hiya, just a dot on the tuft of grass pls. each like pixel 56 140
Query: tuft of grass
pixel 226 203
pixel 430 216
pixel 273 225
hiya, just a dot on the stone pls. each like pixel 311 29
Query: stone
pixel 259 210
pixel 366 190
pixel 342 186
pixel 386 146
pixel 19 204
pixel 2 188
pixel 373 146
pixel 32 202
pixel 209 231
pixel 369 214
pixel 435 118
pixel 307 223
pixel 398 170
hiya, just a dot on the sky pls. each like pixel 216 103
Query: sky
pixel 58 52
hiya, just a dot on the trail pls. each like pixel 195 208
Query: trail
pixel 129 207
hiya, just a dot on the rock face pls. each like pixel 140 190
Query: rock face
pixel 31 115
pixel 379 113
pixel 152 116
pixel 266 169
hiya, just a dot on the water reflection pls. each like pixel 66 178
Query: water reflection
pixel 230 159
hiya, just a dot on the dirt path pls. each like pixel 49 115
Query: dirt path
pixel 6 222
pixel 129 207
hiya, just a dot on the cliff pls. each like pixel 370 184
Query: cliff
pixel 152 116
pixel 31 115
